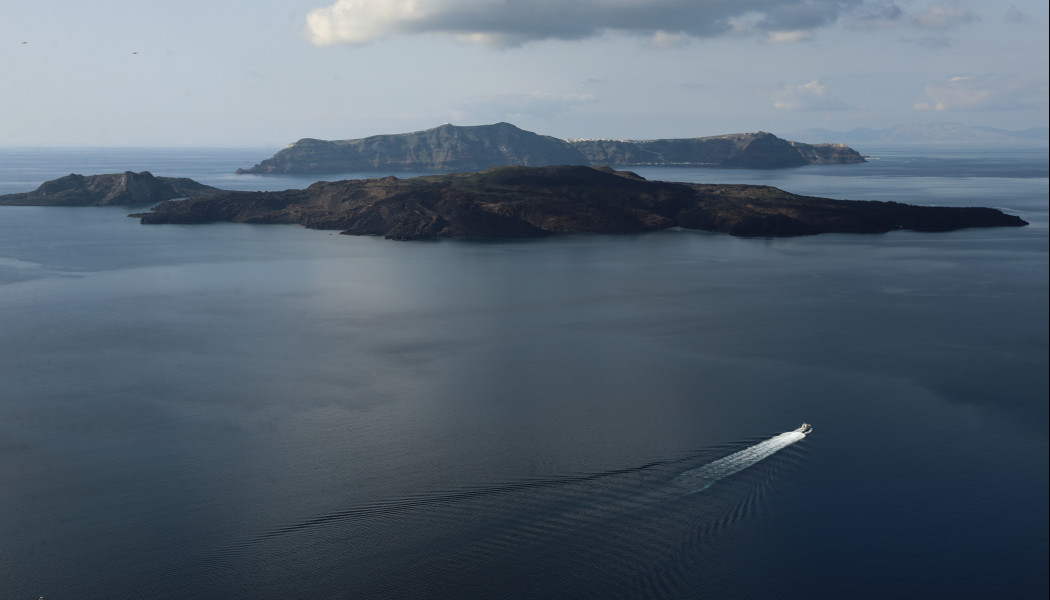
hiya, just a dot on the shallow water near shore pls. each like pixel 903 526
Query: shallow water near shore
pixel 273 412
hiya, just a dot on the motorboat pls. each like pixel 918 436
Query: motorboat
pixel 806 428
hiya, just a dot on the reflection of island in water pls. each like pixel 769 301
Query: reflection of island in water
pixel 537 201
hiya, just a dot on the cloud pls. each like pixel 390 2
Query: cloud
pixel 888 15
pixel 943 16
pixel 933 42
pixel 784 37
pixel 664 39
pixel 984 92
pixel 808 96
pixel 1015 15
pixel 515 22
pixel 877 15
pixel 542 105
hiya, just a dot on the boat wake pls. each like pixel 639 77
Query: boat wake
pixel 635 532
pixel 701 478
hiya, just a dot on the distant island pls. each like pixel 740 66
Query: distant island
pixel 114 189
pixel 455 148
pixel 509 202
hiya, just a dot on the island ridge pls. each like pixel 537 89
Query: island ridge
pixel 456 148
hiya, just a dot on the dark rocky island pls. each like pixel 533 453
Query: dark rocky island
pixel 536 201
pixel 114 189
pixel 454 148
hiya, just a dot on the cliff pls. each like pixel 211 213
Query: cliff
pixel 444 148
pixel 114 189
pixel 537 201
pixel 454 148
pixel 744 150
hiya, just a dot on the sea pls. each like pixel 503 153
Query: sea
pixel 271 412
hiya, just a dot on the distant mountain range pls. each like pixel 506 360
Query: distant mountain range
pixel 931 133
pixel 473 148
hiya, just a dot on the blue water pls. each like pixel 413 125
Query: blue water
pixel 271 412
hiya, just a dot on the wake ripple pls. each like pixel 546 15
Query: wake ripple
pixel 701 478
pixel 638 532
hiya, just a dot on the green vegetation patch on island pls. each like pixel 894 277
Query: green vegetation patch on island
pixel 507 202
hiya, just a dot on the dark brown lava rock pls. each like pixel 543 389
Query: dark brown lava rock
pixel 534 201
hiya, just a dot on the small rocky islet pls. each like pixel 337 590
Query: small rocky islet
pixel 112 189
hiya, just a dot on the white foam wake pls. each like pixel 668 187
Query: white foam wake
pixel 704 477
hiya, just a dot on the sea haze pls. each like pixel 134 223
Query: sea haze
pixel 267 412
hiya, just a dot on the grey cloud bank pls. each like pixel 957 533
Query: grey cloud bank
pixel 512 23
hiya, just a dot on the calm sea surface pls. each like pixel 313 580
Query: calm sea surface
pixel 236 411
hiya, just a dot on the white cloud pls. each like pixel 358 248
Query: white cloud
pixel 664 39
pixel 943 16
pixel 508 23
pixel 360 21
pixel 984 92
pixel 783 37
pixel 808 96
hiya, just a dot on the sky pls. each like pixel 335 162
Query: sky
pixel 265 73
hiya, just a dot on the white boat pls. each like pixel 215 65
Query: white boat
pixel 806 428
